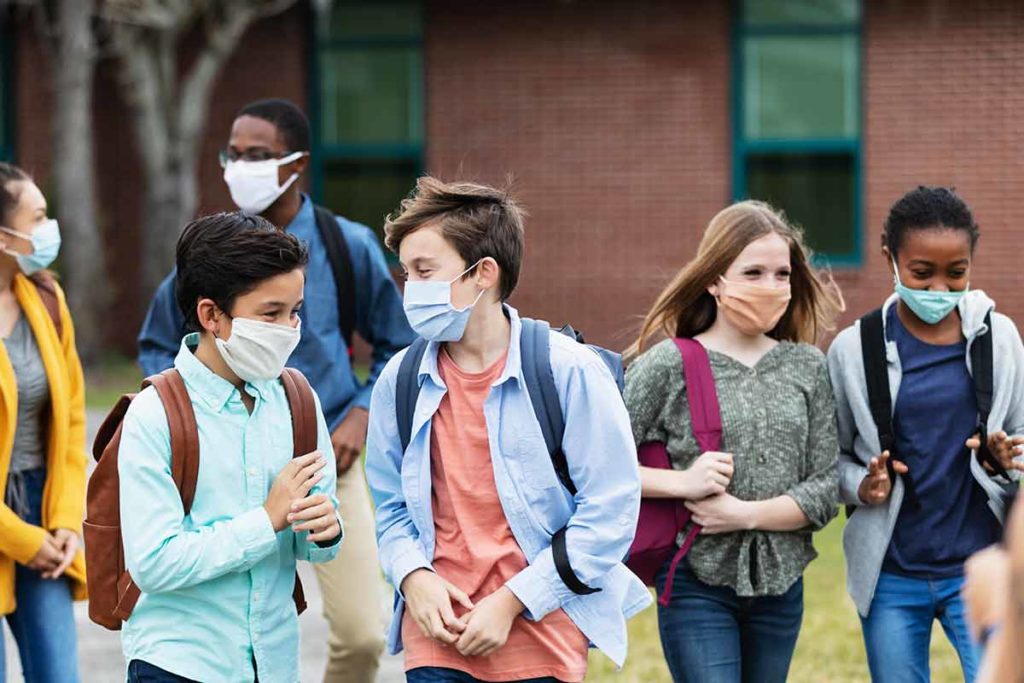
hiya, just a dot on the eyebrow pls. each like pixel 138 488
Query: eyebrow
pixel 926 262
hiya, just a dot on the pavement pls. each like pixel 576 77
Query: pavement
pixel 99 651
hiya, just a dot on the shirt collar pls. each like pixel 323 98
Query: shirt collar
pixel 304 217
pixel 513 363
pixel 206 385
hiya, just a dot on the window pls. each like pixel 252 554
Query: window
pixel 796 122
pixel 368 107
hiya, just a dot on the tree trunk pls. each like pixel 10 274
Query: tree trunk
pixel 84 265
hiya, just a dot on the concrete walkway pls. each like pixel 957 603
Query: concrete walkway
pixel 99 650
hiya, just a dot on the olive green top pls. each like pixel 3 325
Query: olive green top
pixel 778 421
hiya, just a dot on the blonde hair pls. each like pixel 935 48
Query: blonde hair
pixel 685 308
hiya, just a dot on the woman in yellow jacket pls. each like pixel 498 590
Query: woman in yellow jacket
pixel 42 441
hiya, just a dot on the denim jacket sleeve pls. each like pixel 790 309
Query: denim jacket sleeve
pixel 397 537
pixel 380 318
pixel 162 331
pixel 602 460
pixel 159 551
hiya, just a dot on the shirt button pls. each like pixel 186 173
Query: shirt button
pixel 256 597
pixel 252 471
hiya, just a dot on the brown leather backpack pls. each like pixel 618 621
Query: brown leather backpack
pixel 112 593
pixel 47 288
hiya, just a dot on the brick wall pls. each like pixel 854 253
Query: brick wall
pixel 613 119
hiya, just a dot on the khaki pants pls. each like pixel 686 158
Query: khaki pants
pixel 352 587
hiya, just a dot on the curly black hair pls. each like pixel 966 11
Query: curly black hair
pixel 227 255
pixel 928 207
pixel 290 121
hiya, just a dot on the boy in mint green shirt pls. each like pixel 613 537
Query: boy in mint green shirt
pixel 217 583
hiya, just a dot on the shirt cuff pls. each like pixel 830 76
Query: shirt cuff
pixel 405 564
pixel 536 589
pixel 362 397
pixel 850 477
pixel 255 533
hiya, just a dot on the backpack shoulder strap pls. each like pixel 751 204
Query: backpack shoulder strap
pixel 701 394
pixel 876 376
pixel 535 354
pixel 302 405
pixel 983 378
pixel 47 288
pixel 181 421
pixel 407 389
pixel 340 258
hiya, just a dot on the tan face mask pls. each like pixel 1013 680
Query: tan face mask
pixel 752 309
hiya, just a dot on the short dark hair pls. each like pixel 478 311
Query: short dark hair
pixel 9 173
pixel 227 255
pixel 289 120
pixel 479 221
pixel 928 207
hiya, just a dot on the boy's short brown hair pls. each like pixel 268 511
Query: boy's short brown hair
pixel 479 221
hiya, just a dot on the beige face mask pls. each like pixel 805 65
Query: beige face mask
pixel 752 309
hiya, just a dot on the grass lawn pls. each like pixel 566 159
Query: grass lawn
pixel 107 379
pixel 830 649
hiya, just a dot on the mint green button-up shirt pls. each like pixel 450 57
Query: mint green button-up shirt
pixel 216 584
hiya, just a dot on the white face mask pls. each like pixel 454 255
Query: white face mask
pixel 253 184
pixel 257 350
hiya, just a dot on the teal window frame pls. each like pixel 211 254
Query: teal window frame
pixel 743 148
pixel 323 154
pixel 7 91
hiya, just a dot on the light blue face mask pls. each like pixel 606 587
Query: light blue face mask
pixel 45 240
pixel 428 306
pixel 931 307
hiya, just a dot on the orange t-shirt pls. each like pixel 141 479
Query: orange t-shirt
pixel 475 548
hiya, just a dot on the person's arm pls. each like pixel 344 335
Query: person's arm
pixel 601 455
pixel 380 318
pixel 816 497
pixel 159 552
pixel 851 471
pixel 162 331
pixel 324 491
pixel 400 553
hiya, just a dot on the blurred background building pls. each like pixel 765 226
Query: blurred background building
pixel 625 125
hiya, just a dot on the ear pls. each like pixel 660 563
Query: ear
pixel 211 318
pixel 301 164
pixel 488 274
pixel 713 290
pixel 889 260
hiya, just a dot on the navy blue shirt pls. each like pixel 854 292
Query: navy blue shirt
pixel 322 355
pixel 936 412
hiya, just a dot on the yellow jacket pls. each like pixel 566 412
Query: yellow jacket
pixel 64 494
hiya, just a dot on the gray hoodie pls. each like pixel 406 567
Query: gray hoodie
pixel 867 533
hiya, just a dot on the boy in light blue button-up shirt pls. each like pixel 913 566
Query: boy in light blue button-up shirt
pixel 217 583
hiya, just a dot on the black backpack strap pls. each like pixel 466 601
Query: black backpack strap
pixel 407 389
pixel 982 374
pixel 535 352
pixel 876 378
pixel 340 258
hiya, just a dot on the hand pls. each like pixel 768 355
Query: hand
pixel 316 515
pixel 876 486
pixel 349 438
pixel 67 541
pixel 986 585
pixel 488 624
pixel 1004 448
pixel 428 598
pixel 721 513
pixel 709 475
pixel 48 557
pixel 295 481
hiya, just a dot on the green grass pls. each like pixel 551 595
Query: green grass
pixel 107 379
pixel 830 649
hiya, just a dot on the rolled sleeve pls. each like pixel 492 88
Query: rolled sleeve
pixel 817 494
pixel 318 552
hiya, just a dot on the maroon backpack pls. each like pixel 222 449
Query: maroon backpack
pixel 661 519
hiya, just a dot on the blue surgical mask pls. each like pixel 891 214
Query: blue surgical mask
pixel 931 307
pixel 45 241
pixel 428 306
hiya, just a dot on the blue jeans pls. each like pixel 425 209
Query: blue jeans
pixel 43 623
pixel 711 635
pixel 898 629
pixel 435 674
pixel 144 672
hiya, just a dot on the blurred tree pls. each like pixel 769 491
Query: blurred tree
pixel 168 97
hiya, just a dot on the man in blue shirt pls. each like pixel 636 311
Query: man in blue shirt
pixel 217 581
pixel 267 152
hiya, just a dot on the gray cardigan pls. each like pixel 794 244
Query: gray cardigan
pixel 867 533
